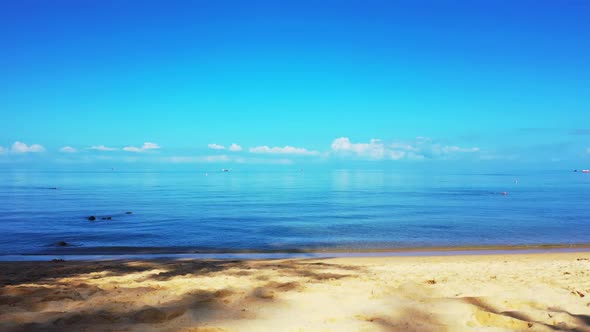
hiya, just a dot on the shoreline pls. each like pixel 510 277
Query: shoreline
pixel 125 253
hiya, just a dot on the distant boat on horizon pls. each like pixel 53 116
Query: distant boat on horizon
pixel 586 171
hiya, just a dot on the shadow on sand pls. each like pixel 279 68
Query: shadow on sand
pixel 31 292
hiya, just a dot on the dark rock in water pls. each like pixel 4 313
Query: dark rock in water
pixel 62 244
pixel 128 212
pixel 92 218
pixel 107 218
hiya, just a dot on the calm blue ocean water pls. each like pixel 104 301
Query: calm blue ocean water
pixel 290 210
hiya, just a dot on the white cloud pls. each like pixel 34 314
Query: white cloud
pixel 375 149
pixel 101 148
pixel 225 159
pixel 200 159
pixel 451 149
pixel 436 150
pixel 235 147
pixel 214 146
pixel 145 147
pixel 19 147
pixel 402 146
pixel 284 150
pixel 150 146
pixel 68 149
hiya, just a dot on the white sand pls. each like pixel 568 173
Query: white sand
pixel 535 292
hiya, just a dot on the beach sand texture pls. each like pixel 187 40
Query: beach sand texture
pixel 533 292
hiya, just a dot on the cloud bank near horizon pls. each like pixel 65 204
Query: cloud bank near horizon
pixel 145 147
pixel 101 148
pixel 286 150
pixel 376 149
pixel 341 149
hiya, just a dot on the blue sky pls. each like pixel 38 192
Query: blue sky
pixel 294 82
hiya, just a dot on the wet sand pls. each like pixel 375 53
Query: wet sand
pixel 302 252
pixel 528 292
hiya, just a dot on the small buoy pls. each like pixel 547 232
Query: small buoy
pixel 504 193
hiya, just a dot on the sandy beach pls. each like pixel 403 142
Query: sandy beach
pixel 522 292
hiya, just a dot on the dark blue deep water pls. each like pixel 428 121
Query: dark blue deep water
pixel 290 210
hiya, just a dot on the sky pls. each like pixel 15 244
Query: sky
pixel 295 82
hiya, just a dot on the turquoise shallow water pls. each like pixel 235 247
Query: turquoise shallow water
pixel 288 210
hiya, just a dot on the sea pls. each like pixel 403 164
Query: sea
pixel 294 210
